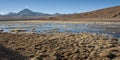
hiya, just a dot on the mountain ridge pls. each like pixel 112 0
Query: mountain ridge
pixel 26 14
pixel 105 13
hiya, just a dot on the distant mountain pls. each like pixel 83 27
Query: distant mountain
pixel 106 13
pixel 57 14
pixel 11 13
pixel 27 12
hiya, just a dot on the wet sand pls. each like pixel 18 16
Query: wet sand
pixel 58 46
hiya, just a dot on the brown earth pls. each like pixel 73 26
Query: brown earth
pixel 58 46
pixel 106 13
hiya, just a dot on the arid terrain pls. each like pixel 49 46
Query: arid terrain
pixel 106 13
pixel 58 46
pixel 61 45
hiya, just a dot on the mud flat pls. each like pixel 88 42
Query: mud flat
pixel 58 46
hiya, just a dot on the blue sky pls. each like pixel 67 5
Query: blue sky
pixel 53 6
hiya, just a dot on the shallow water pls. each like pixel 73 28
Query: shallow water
pixel 111 28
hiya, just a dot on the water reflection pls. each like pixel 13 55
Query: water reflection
pixel 103 27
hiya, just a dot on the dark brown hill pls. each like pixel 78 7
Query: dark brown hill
pixel 106 13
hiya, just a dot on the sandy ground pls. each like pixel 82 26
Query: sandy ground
pixel 62 22
pixel 58 46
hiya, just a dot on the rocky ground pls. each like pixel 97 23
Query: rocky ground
pixel 58 46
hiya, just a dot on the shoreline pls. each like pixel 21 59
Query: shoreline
pixel 63 21
pixel 70 20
